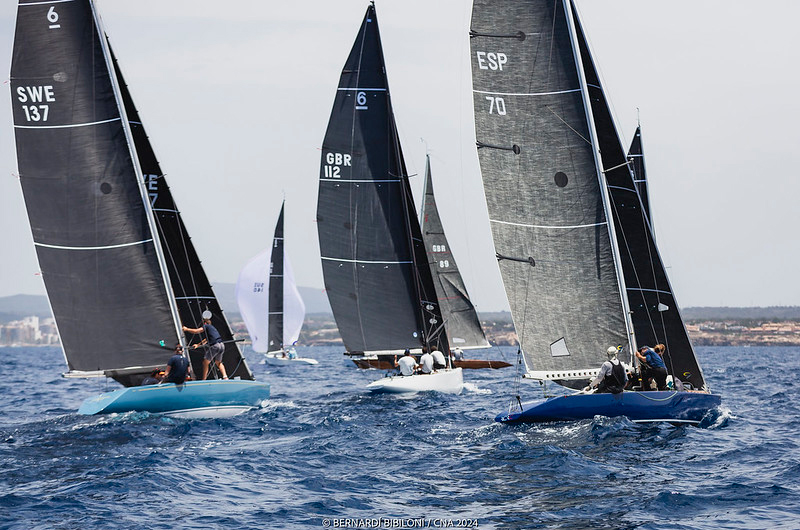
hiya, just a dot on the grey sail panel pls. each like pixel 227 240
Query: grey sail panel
pixel 654 311
pixel 365 215
pixel 461 321
pixel 276 288
pixel 82 194
pixel 636 158
pixel 190 285
pixel 541 183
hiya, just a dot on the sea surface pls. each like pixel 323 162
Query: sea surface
pixel 324 453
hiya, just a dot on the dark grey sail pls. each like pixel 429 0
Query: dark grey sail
pixel 636 159
pixel 86 206
pixel 276 288
pixel 373 260
pixel 546 204
pixel 655 314
pixel 461 321
pixel 190 285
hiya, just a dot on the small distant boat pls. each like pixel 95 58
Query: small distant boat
pixel 572 234
pixel 377 277
pixel 447 381
pixel 270 303
pixel 119 268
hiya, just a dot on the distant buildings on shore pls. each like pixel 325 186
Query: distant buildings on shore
pixel 30 331
pixel 320 329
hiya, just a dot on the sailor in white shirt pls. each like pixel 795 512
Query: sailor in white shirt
pixel 426 362
pixel 407 364
pixel 438 360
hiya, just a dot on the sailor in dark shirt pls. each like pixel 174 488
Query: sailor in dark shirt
pixel 612 376
pixel 177 367
pixel 214 345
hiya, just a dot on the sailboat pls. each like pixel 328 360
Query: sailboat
pixel 573 242
pixel 270 303
pixel 464 331
pixel 120 271
pixel 374 264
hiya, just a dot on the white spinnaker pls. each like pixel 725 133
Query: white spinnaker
pixel 294 310
pixel 252 295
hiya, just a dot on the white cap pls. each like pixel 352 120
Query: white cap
pixel 207 315
pixel 611 352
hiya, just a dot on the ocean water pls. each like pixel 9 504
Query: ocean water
pixel 325 453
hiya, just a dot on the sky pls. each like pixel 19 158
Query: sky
pixel 236 98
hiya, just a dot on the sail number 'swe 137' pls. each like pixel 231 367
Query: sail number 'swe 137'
pixel 36 94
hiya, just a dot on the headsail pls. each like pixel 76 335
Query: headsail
pixel 268 297
pixel 463 327
pixel 190 285
pixel 88 212
pixel 373 261
pixel 654 311
pixel 546 203
pixel 636 159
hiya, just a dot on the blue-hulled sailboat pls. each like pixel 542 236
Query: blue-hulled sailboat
pixel 572 237
pixel 121 273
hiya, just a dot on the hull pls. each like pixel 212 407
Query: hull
pixel 640 407
pixel 214 398
pixel 468 364
pixel 280 360
pixel 447 381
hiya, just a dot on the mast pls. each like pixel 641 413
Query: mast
pixel 139 175
pixel 601 174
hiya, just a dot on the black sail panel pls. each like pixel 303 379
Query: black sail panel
pixel 276 288
pixel 363 220
pixel 654 311
pixel 82 194
pixel 636 159
pixel 541 183
pixel 190 285
pixel 461 321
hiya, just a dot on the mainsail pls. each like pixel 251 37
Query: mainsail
pixel 570 231
pixel 547 206
pixel 101 249
pixel 268 297
pixel 373 261
pixel 461 321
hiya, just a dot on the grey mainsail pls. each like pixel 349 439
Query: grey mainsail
pixel 546 204
pixel 373 260
pixel 461 321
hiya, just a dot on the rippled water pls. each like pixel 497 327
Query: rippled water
pixel 324 450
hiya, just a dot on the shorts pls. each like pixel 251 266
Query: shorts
pixel 214 352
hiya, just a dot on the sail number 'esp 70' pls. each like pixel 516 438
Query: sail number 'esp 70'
pixel 493 61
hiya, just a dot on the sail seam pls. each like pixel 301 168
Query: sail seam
pixel 64 126
pixel 323 179
pixel 545 226
pixel 527 94
pixel 649 290
pixel 61 247
pixel 41 3
pixel 366 261
pixel 366 89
